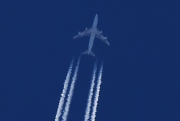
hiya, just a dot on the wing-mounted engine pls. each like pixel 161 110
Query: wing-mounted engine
pixel 78 35
pixel 100 32
pixel 82 34
pixel 105 40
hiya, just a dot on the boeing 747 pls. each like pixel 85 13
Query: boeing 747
pixel 92 32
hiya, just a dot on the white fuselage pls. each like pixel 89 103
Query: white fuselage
pixel 93 33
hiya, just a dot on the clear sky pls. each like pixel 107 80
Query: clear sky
pixel 140 80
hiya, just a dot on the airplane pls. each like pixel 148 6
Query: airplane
pixel 92 32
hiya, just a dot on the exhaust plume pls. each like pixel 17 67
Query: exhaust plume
pixel 93 116
pixel 89 101
pixel 66 110
pixel 63 94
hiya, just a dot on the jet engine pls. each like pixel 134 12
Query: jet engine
pixel 79 33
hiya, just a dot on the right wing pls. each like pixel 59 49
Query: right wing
pixel 101 37
pixel 87 32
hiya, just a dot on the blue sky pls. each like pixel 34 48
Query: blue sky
pixel 140 79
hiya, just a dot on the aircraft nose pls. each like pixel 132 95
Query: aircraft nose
pixel 96 16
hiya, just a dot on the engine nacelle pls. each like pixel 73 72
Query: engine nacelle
pixel 105 38
pixel 86 29
pixel 79 33
pixel 100 32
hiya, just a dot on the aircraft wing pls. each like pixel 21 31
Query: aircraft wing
pixel 101 37
pixel 87 32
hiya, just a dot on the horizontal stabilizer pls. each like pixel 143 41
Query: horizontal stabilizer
pixel 92 54
pixel 86 52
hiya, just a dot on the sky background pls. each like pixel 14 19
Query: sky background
pixel 141 75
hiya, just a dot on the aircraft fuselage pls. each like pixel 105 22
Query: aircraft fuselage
pixel 93 33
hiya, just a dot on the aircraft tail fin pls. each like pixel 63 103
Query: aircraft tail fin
pixel 86 52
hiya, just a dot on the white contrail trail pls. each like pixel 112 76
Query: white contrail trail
pixel 86 117
pixel 66 110
pixel 63 94
pixel 93 116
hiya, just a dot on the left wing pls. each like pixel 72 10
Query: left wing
pixel 101 37
pixel 87 32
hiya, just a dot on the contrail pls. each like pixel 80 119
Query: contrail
pixel 66 110
pixel 93 116
pixel 86 117
pixel 63 94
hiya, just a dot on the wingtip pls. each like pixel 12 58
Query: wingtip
pixel 74 37
pixel 108 43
